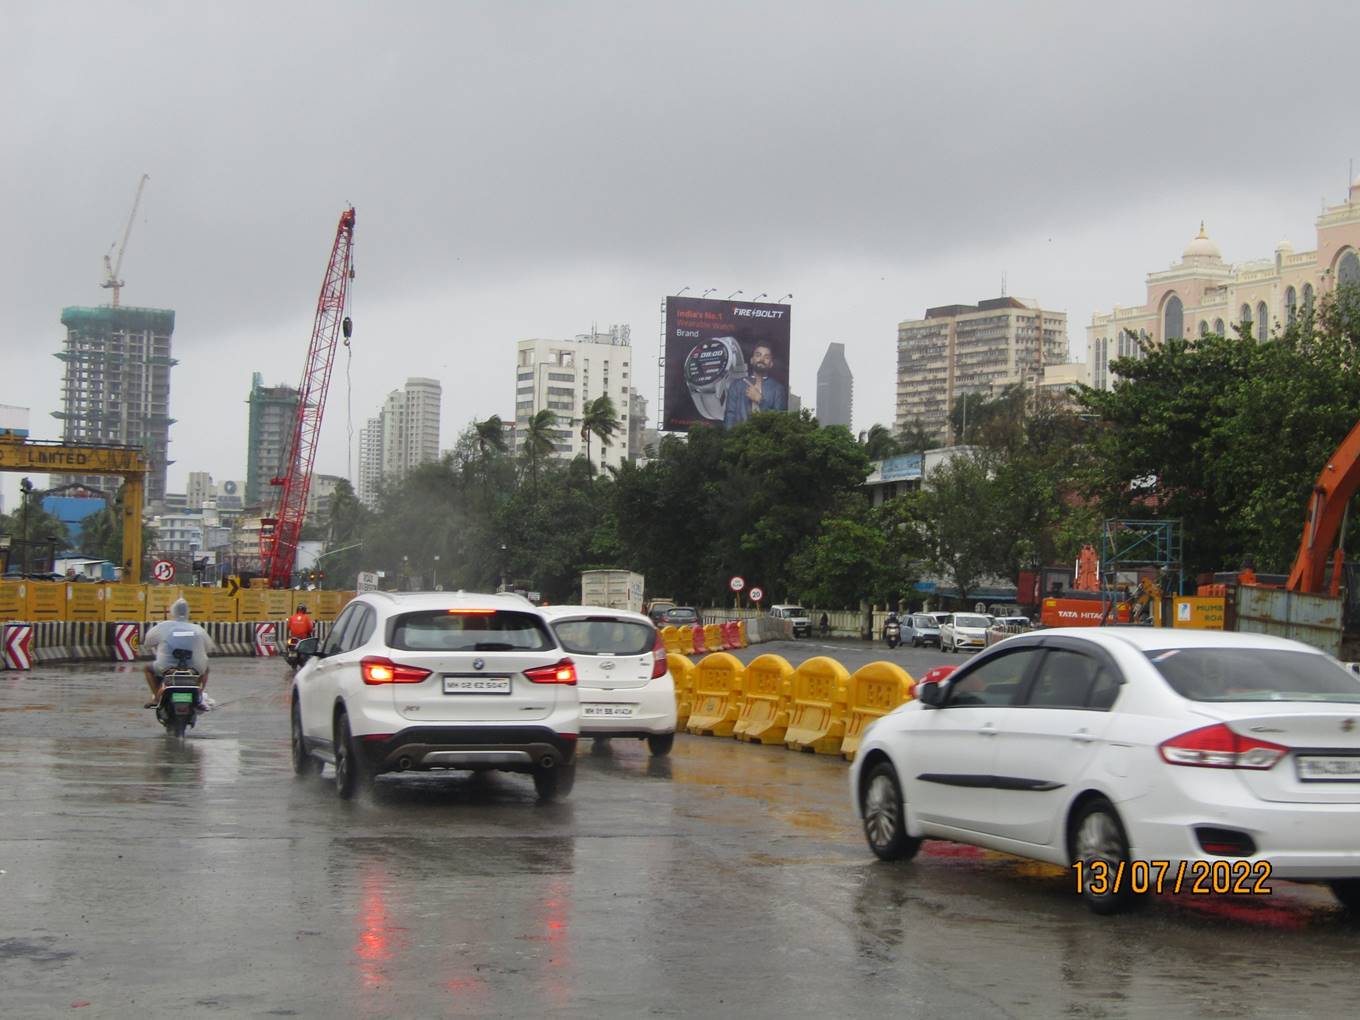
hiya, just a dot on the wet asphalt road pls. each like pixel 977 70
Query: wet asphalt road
pixel 144 877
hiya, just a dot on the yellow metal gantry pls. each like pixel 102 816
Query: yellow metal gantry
pixel 127 462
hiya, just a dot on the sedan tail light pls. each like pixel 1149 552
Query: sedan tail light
pixel 1218 747
pixel 378 669
pixel 659 665
pixel 563 672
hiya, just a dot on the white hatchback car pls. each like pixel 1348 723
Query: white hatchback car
pixel 436 681
pixel 964 630
pixel 1147 759
pixel 625 686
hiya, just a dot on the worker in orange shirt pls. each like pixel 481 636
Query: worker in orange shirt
pixel 300 624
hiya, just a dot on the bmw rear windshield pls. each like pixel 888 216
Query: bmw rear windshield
pixel 459 630
pixel 1254 674
pixel 605 635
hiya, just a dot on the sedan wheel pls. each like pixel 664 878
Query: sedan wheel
pixel 885 819
pixel 1347 890
pixel 1099 844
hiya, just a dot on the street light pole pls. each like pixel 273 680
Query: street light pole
pixel 435 572
pixel 26 488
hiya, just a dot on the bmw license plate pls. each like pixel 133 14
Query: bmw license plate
pixel 1328 768
pixel 180 697
pixel 607 711
pixel 476 684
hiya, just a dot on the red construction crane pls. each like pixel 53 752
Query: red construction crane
pixel 279 535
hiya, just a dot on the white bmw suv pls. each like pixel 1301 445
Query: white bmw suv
pixel 422 681
pixel 626 689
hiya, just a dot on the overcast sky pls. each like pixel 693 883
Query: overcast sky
pixel 533 169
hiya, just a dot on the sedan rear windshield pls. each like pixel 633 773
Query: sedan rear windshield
pixel 605 635
pixel 460 631
pixel 1254 674
pixel 681 614
pixel 964 620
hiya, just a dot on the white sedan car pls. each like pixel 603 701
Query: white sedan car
pixel 1147 759
pixel 625 686
pixel 964 630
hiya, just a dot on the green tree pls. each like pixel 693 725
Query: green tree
pixel 538 441
pixel 44 533
pixel 600 419
pixel 964 526
pixel 879 442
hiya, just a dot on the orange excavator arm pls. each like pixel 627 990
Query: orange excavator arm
pixel 1332 493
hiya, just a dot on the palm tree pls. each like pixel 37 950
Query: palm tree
pixel 879 443
pixel 599 419
pixel 538 441
pixel 490 435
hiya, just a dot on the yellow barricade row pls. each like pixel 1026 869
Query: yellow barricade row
pixel 84 602
pixel 875 690
pixel 670 637
pixel 45 601
pixel 252 605
pixel 713 637
pixel 764 715
pixel 13 600
pixel 125 603
pixel 741 634
pixel 817 715
pixel 717 688
pixel 682 675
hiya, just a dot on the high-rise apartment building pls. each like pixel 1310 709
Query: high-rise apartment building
pixel 1202 294
pixel 200 489
pixel 273 412
pixel 563 376
pixel 963 349
pixel 116 387
pixel 835 387
pixel 403 436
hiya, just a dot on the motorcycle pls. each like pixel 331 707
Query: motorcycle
pixel 180 692
pixel 290 653
pixel 892 633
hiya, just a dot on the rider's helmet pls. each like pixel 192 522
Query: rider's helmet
pixel 301 608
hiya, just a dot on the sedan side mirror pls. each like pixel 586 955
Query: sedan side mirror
pixel 308 647
pixel 930 694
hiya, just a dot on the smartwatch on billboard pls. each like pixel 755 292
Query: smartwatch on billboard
pixel 709 367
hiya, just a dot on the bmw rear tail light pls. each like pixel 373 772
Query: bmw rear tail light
pixel 378 669
pixel 1218 747
pixel 659 665
pixel 563 672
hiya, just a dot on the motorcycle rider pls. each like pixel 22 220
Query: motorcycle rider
pixel 300 624
pixel 178 633
pixel 892 619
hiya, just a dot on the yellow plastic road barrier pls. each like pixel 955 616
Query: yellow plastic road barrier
pixel 765 705
pixel 875 690
pixel 817 715
pixel 741 634
pixel 717 689
pixel 13 600
pixel 223 608
pixel 670 637
pixel 85 602
pixel 200 603
pixel 713 637
pixel 345 597
pixel 682 675
pixel 125 603
pixel 46 601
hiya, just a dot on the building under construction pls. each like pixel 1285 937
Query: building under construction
pixel 273 412
pixel 116 387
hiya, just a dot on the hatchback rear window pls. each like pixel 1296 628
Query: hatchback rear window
pixel 681 614
pixel 605 635
pixel 453 631
pixel 1254 674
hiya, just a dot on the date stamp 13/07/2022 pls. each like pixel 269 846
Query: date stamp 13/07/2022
pixel 1198 878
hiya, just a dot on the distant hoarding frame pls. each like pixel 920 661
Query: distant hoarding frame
pixel 712 373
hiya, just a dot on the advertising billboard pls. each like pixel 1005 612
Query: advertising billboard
pixel 725 360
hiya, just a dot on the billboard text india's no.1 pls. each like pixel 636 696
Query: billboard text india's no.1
pixel 725 360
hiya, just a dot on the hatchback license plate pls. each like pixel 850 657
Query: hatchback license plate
pixel 607 711
pixel 1329 768
pixel 476 684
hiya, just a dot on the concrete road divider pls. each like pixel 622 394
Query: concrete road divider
pixel 817 714
pixel 766 691
pixel 717 694
pixel 875 690
pixel 682 676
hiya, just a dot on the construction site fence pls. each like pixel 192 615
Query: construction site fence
pixel 121 641
pixel 79 602
pixel 818 707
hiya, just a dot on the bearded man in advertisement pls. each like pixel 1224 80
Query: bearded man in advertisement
pixel 757 390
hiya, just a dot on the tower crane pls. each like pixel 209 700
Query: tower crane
pixel 279 534
pixel 112 269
